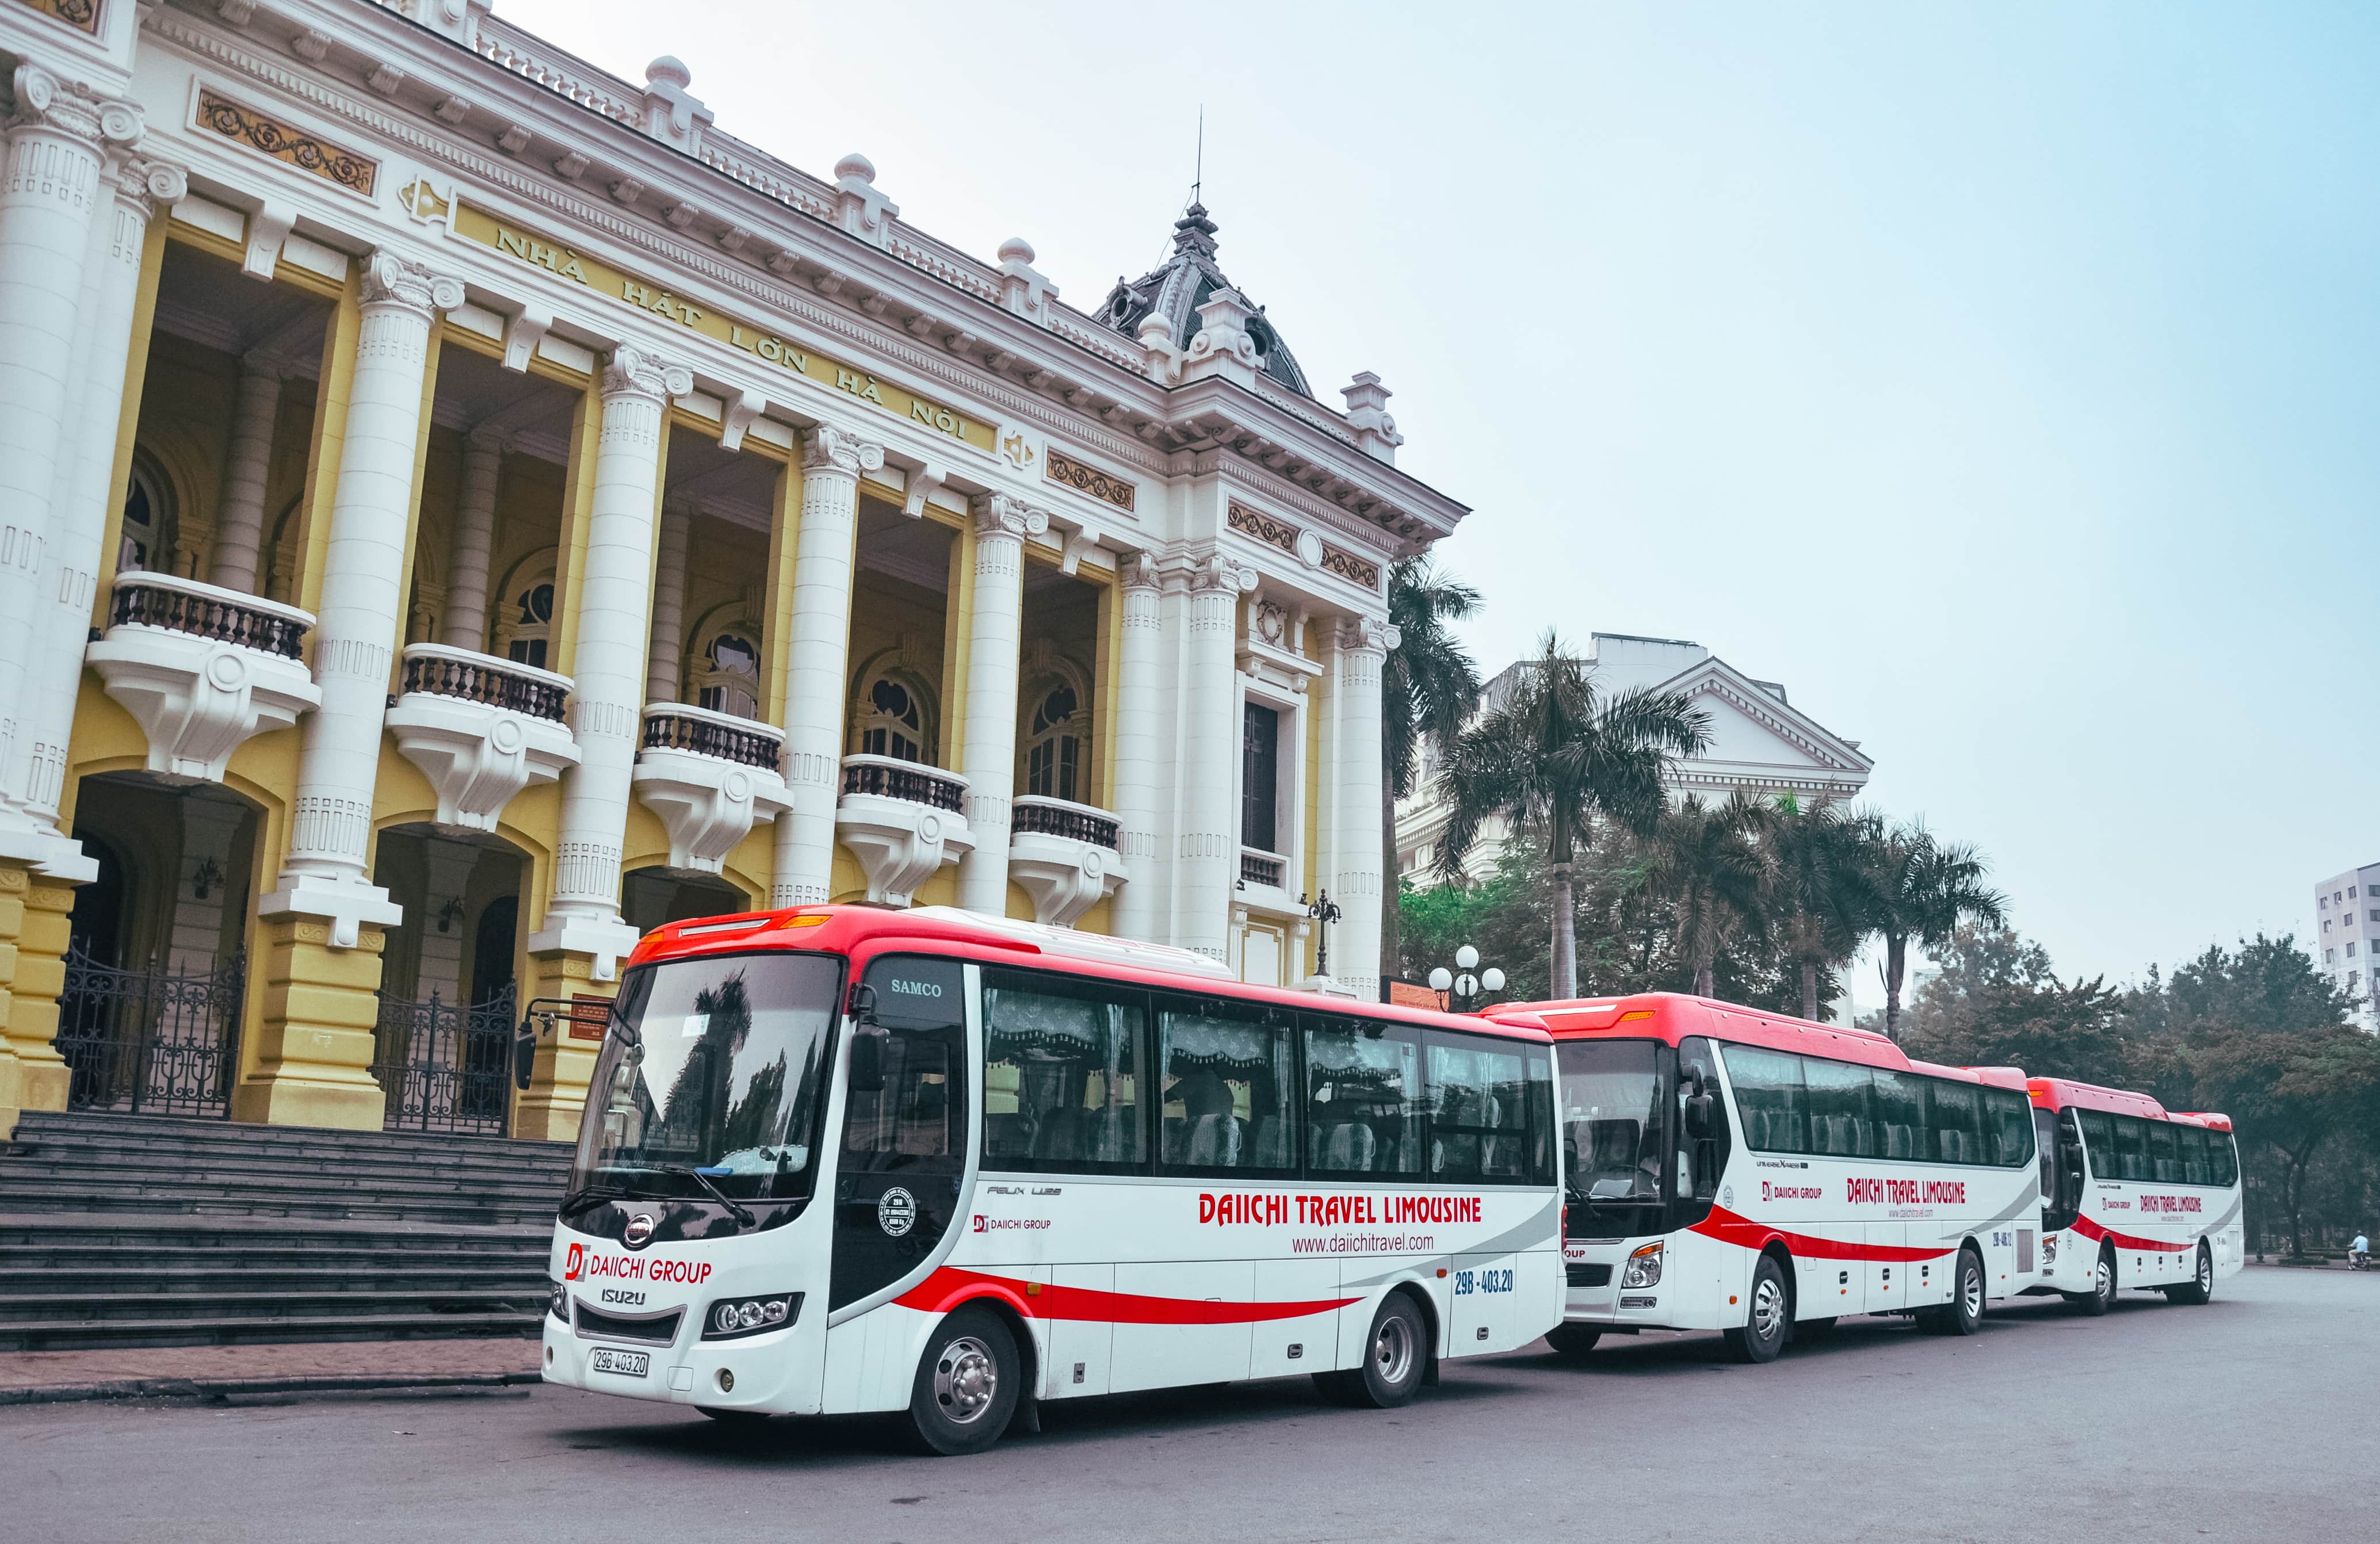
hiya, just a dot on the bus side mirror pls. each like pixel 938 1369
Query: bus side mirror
pixel 868 1061
pixel 524 1054
pixel 1701 1116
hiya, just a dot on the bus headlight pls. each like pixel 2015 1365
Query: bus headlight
pixel 558 1301
pixel 2048 1249
pixel 1644 1268
pixel 732 1318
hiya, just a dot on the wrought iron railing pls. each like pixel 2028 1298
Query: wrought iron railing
pixel 675 726
pixel 890 779
pixel 444 1066
pixel 149 1042
pixel 203 610
pixel 1262 869
pixel 1036 816
pixel 519 688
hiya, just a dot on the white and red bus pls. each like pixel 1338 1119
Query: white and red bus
pixel 1760 1175
pixel 2133 1196
pixel 838 1160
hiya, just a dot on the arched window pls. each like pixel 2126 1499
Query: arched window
pixel 892 722
pixel 729 679
pixel 148 542
pixel 532 627
pixel 1054 744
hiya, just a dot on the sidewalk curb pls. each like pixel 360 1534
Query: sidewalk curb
pixel 225 1388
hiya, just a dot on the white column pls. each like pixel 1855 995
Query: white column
pixel 668 654
pixel 1206 842
pixel 607 697
pixel 240 525
pixel 820 651
pixel 48 199
pixel 86 483
pixel 475 538
pixel 995 635
pixel 1131 740
pixel 1353 776
pixel 362 609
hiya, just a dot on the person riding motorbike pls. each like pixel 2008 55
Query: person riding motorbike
pixel 2359 1254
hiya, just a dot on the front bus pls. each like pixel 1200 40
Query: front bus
pixel 844 1159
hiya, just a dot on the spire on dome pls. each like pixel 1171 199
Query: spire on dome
pixel 1176 287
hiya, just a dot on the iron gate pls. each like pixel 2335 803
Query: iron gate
pixel 147 1042
pixel 445 1067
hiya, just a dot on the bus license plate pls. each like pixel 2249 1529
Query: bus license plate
pixel 627 1363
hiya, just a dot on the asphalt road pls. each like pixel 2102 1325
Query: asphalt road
pixel 2257 1416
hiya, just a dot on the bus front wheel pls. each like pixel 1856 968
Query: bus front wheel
pixel 1964 1313
pixel 1767 1319
pixel 2201 1286
pixel 2102 1296
pixel 1396 1354
pixel 966 1385
pixel 1573 1340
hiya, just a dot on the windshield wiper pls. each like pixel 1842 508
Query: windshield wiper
pixel 736 1208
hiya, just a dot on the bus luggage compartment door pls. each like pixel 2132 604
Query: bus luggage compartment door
pixel 1193 1327
pixel 1479 1299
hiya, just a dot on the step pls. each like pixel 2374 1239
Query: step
pixel 21 1260
pixel 234 1330
pixel 34 1125
pixel 111 1166
pixel 525 1275
pixel 79 1148
pixel 102 1307
pixel 177 1229
pixel 262 1199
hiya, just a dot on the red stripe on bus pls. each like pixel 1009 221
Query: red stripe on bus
pixel 1730 1228
pixel 2094 1231
pixel 950 1286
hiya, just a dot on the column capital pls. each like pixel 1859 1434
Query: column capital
pixel 1138 571
pixel 1368 635
pixel 71 108
pixel 829 447
pixel 145 183
pixel 487 442
pixel 401 282
pixel 998 515
pixel 633 372
pixel 1219 572
pixel 266 364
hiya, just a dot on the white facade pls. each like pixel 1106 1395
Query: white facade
pixel 1760 745
pixel 2346 930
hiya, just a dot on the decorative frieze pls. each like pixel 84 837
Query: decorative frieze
pixel 81 15
pixel 292 147
pixel 1348 566
pixel 1257 526
pixel 1061 468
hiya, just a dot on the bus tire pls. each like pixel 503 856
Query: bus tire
pixel 1964 1313
pixel 1395 1354
pixel 1573 1340
pixel 2200 1287
pixel 966 1385
pixel 1767 1316
pixel 2102 1296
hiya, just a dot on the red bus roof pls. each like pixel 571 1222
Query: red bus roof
pixel 2063 1093
pixel 1669 1016
pixel 866 931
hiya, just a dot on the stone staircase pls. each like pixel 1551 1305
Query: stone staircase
pixel 126 1231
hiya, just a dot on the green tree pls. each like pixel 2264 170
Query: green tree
pixel 2266 984
pixel 2292 1093
pixel 1815 904
pixel 1429 687
pixel 1557 756
pixel 1708 862
pixel 1913 886
pixel 1995 1002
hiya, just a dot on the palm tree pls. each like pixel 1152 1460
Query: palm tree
pixel 1818 890
pixel 1916 887
pixel 1556 756
pixel 1708 862
pixel 1429 686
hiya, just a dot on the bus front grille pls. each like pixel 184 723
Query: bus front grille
pixel 1588 1275
pixel 649 1329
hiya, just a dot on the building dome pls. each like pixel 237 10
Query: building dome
pixel 1187 279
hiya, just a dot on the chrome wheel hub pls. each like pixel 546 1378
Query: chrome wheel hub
pixel 1767 1309
pixel 1970 1289
pixel 966 1379
pixel 2105 1281
pixel 1393 1350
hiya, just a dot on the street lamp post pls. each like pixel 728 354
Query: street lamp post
pixel 1324 911
pixel 1461 985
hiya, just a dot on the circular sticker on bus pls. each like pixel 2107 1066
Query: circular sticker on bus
pixel 896 1212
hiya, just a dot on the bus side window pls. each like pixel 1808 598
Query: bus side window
pixel 2164 1152
pixel 1770 1096
pixel 1230 1078
pixel 1958 1122
pixel 1062 1074
pixel 2225 1159
pixel 1479 1102
pixel 1904 1129
pixel 2008 1129
pixel 2132 1147
pixel 2195 1169
pixel 1701 1160
pixel 915 1116
pixel 1364 1098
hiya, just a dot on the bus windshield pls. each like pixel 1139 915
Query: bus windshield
pixel 709 1084
pixel 1611 1121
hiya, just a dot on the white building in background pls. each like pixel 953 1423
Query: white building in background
pixel 1760 744
pixel 2346 930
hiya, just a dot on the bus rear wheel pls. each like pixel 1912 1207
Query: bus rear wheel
pixel 1964 1313
pixel 2201 1286
pixel 1767 1318
pixel 1573 1340
pixel 966 1385
pixel 1396 1354
pixel 2102 1296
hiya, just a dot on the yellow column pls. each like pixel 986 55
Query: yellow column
pixel 548 1111
pixel 36 1077
pixel 312 1062
pixel 15 878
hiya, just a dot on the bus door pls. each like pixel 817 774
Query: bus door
pixel 905 1125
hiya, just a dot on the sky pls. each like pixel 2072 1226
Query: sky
pixel 1999 378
